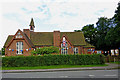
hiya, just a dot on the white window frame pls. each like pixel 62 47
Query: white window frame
pixel 19 47
pixel 75 50
pixel 64 49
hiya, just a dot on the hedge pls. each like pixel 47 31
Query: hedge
pixel 22 61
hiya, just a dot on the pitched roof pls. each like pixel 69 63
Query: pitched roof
pixel 41 38
pixel 46 38
pixel 29 41
pixel 76 38
pixel 8 40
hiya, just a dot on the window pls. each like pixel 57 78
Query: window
pixel 89 50
pixel 64 47
pixel 76 50
pixel 18 35
pixel 19 47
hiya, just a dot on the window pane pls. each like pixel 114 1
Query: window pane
pixel 76 50
pixel 63 48
pixel 19 47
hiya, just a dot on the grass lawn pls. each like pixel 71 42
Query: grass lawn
pixel 51 67
pixel 117 62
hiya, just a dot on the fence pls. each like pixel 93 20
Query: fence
pixel 112 58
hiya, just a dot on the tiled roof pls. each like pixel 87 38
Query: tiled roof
pixel 76 38
pixel 46 38
pixel 29 41
pixel 11 36
pixel 42 38
pixel 8 40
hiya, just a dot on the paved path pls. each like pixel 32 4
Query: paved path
pixel 110 66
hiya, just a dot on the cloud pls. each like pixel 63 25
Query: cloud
pixel 52 15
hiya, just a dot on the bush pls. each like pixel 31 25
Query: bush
pixel 3 51
pixel 46 50
pixel 22 61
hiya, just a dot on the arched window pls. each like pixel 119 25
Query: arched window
pixel 19 47
pixel 64 47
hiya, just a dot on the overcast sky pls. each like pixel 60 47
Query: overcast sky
pixel 50 15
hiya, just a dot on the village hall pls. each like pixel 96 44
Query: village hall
pixel 23 42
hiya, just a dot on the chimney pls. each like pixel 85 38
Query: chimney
pixel 56 38
pixel 27 32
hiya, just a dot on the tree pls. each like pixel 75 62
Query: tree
pixel 103 26
pixel 113 36
pixel 117 14
pixel 117 27
pixel 89 33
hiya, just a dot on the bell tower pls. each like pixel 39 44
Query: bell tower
pixel 32 25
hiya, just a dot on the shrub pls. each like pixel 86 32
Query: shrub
pixel 46 50
pixel 22 61
pixel 3 51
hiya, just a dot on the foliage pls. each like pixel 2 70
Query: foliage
pixel 29 61
pixel 102 29
pixel 117 14
pixel 3 51
pixel 113 36
pixel 46 50
pixel 89 33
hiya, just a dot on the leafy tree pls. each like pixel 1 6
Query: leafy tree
pixel 103 26
pixel 89 33
pixel 113 36
pixel 117 14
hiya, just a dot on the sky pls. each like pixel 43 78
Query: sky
pixel 50 15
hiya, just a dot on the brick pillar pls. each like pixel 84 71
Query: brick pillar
pixel 27 32
pixel 56 38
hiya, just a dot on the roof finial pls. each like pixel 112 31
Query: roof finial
pixel 32 25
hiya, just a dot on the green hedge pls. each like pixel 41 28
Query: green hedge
pixel 22 61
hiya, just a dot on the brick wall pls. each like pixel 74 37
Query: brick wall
pixel 56 38
pixel 13 46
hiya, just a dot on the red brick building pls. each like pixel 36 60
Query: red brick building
pixel 24 41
